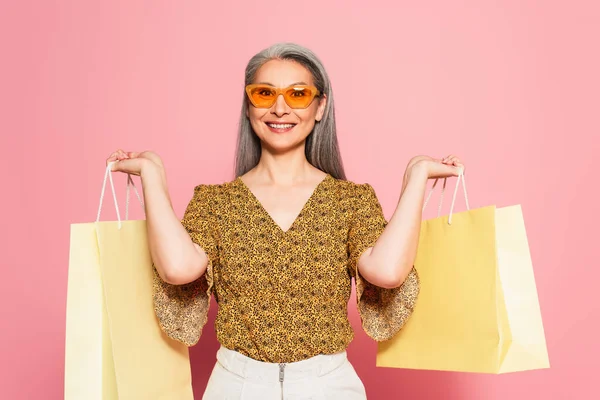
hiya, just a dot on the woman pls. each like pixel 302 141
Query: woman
pixel 279 244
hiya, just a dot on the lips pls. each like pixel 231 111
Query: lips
pixel 280 127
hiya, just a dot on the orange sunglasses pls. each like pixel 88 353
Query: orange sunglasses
pixel 295 96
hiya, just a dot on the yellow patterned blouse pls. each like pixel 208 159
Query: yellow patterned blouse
pixel 283 295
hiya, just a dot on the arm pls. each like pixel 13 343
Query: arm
pixel 177 259
pixel 391 259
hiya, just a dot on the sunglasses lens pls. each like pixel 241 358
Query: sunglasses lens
pixel 263 96
pixel 299 97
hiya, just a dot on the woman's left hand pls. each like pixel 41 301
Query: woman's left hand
pixel 436 168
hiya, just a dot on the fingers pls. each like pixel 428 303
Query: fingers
pixel 111 158
pixel 119 165
pixel 131 166
pixel 121 155
pixel 450 159
pixel 132 162
pixel 454 161
pixel 117 156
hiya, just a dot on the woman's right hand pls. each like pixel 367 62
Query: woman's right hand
pixel 135 163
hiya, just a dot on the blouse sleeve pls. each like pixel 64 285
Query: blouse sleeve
pixel 182 310
pixel 383 312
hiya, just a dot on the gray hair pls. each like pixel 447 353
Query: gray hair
pixel 322 150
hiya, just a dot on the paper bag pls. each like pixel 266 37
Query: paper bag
pixel 115 348
pixel 478 308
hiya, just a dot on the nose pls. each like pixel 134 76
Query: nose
pixel 280 107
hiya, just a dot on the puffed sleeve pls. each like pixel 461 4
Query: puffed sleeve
pixel 383 312
pixel 182 310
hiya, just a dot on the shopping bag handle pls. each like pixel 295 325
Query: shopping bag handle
pixel 130 183
pixel 459 179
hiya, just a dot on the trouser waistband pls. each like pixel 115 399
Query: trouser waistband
pixel 249 368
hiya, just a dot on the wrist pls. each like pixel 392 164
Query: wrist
pixel 152 174
pixel 418 171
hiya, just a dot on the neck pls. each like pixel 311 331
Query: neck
pixel 284 168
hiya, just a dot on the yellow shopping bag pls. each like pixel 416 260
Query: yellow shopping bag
pixel 478 308
pixel 115 348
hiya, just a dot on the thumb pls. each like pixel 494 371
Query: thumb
pixel 129 166
pixel 115 165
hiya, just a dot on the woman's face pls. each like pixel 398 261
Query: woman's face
pixel 293 125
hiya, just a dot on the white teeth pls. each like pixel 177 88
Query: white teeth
pixel 281 126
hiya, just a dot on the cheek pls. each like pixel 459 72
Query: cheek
pixel 308 115
pixel 255 115
pixel 308 121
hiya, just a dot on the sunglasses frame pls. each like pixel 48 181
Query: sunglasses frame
pixel 281 91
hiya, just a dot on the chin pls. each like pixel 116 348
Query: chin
pixel 281 144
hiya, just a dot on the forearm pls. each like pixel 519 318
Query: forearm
pixel 393 255
pixel 176 258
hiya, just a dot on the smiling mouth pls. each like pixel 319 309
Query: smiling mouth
pixel 279 127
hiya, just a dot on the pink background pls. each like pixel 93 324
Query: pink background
pixel 512 87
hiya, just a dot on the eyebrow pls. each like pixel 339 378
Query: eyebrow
pixel 293 84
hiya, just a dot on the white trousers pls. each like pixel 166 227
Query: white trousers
pixel 238 377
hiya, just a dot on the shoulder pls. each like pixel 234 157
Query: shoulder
pixel 353 190
pixel 213 192
pixel 354 196
pixel 215 188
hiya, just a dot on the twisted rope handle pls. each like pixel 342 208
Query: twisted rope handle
pixel 460 178
pixel 130 183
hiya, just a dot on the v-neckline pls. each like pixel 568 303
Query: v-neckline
pixel 298 216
